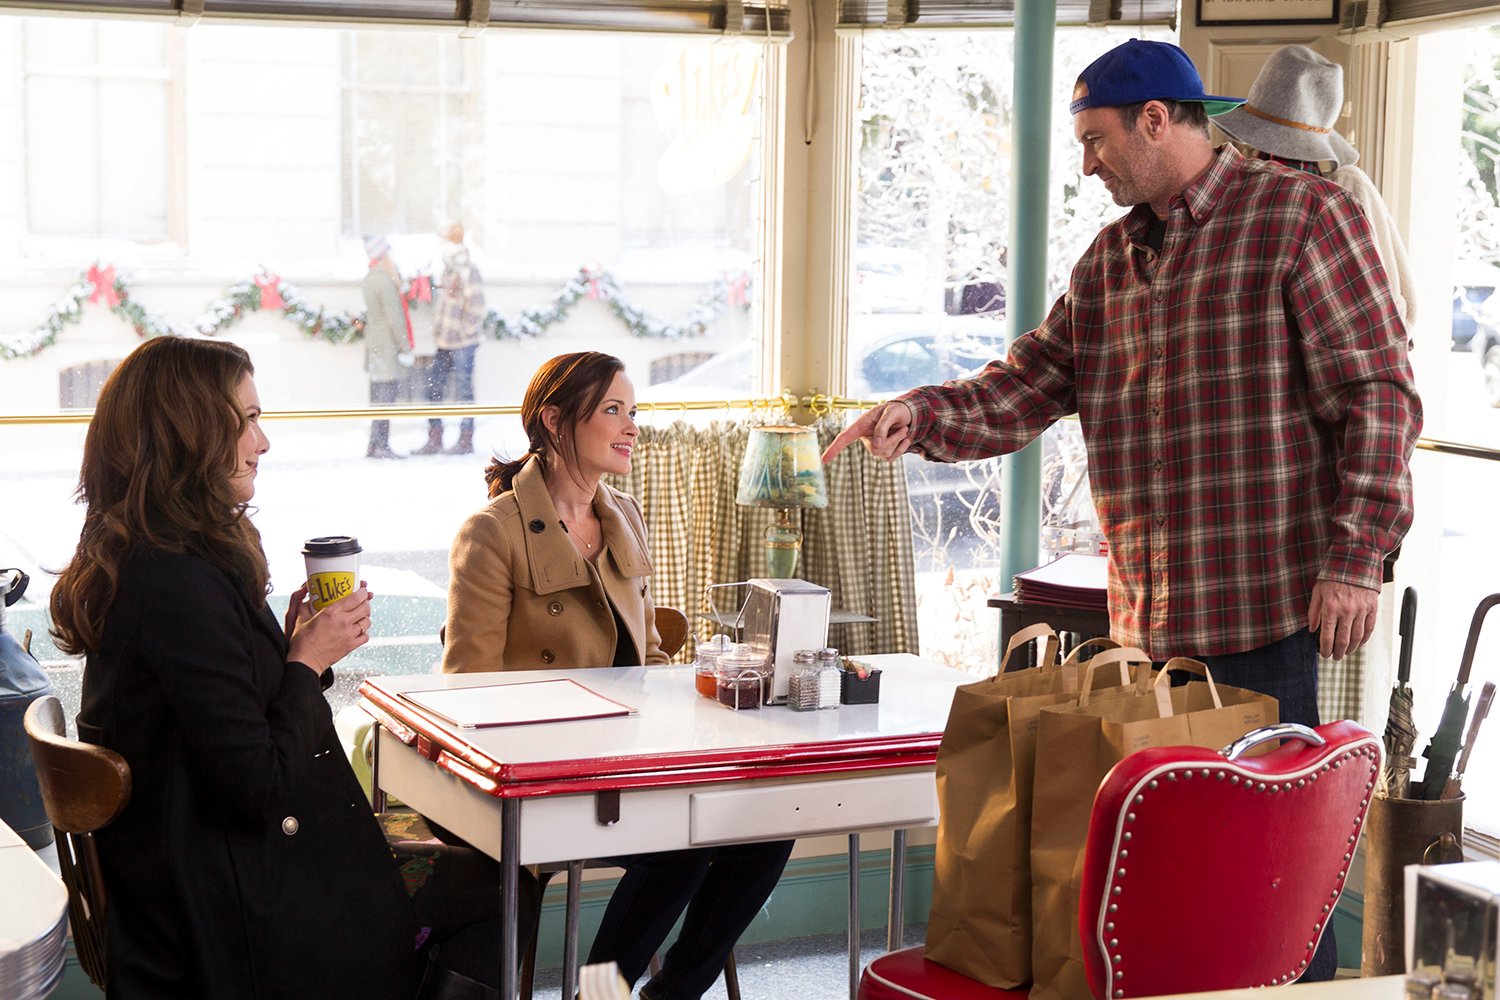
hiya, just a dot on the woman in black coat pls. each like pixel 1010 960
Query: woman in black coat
pixel 247 863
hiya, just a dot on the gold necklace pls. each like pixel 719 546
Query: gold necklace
pixel 586 543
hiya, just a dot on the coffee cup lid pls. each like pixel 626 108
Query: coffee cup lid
pixel 331 545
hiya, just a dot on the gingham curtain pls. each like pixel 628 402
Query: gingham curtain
pixel 859 547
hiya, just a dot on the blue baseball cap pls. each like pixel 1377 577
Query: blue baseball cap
pixel 1139 71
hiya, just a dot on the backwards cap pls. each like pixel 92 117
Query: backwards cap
pixel 1140 71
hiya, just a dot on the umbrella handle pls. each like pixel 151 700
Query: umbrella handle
pixel 1407 629
pixel 1473 641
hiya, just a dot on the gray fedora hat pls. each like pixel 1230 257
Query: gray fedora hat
pixel 1291 109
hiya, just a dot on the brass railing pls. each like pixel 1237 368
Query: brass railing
pixel 817 404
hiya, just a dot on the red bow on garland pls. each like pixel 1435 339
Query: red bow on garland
pixel 270 292
pixel 103 281
pixel 420 289
pixel 595 278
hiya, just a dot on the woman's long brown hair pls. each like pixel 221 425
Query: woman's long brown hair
pixel 157 461
pixel 575 384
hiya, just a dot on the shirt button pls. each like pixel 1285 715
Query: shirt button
pixel 1156 411
pixel 1161 519
pixel 289 826
pixel 1160 353
pixel 555 608
pixel 548 656
pixel 1156 465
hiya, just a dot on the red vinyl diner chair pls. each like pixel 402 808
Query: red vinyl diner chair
pixel 1203 870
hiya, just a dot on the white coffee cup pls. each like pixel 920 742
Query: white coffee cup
pixel 332 568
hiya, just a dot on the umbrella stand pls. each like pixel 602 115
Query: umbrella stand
pixel 1401 832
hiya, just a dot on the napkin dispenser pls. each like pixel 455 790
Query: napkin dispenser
pixel 781 617
pixel 1453 923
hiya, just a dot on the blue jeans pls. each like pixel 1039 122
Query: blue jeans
pixel 1287 670
pixel 723 888
pixel 459 365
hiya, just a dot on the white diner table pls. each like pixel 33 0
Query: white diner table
pixel 681 771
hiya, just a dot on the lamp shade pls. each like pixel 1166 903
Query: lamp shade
pixel 782 468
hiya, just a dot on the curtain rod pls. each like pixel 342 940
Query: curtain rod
pixel 818 403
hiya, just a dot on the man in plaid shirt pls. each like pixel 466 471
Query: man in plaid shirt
pixel 460 318
pixel 1240 375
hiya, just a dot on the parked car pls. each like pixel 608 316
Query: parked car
pixel 1474 282
pixel 1467 300
pixel 1485 344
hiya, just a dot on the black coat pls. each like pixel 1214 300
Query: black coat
pixel 247 863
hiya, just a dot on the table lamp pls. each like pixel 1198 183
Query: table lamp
pixel 782 469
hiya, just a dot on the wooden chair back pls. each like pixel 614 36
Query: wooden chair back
pixel 672 626
pixel 84 789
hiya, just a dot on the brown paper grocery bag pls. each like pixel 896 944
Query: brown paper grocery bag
pixel 980 921
pixel 1076 745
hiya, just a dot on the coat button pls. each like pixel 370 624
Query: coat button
pixel 555 608
pixel 537 525
pixel 548 656
pixel 289 826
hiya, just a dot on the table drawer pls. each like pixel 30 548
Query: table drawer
pixel 765 812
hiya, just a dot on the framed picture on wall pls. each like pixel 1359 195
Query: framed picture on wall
pixel 1211 12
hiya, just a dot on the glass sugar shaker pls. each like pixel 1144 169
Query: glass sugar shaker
pixel 829 681
pixel 802 688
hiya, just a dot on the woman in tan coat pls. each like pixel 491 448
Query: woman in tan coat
pixel 555 573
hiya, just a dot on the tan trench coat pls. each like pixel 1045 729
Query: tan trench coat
pixel 520 597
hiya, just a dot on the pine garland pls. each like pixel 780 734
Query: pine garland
pixel 100 284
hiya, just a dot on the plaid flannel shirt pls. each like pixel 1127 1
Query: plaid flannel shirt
pixel 1246 399
pixel 460 314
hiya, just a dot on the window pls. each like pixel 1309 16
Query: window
pixel 695 129
pixel 410 155
pixel 297 140
pixel 117 83
pixel 932 208
pixel 1451 553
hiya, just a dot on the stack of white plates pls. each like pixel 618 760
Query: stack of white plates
pixel 33 922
